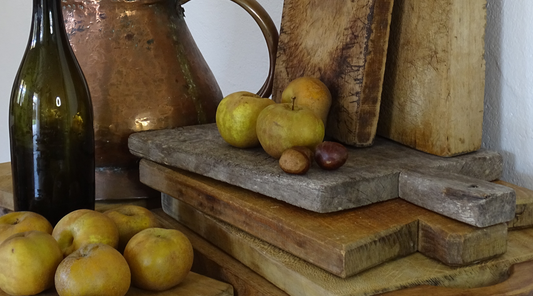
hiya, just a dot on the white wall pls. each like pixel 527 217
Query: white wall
pixel 234 48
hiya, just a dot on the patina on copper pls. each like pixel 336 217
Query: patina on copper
pixel 144 72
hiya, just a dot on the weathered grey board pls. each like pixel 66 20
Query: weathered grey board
pixel 370 175
pixel 469 200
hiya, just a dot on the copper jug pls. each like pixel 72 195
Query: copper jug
pixel 144 72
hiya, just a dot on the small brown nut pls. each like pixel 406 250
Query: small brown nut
pixel 294 161
pixel 330 155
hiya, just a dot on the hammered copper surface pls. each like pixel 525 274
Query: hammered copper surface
pixel 144 72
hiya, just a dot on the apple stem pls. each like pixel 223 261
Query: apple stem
pixel 293 100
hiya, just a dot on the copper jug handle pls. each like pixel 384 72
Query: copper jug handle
pixel 270 33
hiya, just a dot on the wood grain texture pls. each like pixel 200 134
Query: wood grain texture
pixel 343 43
pixel 519 283
pixel 299 278
pixel 343 243
pixel 370 174
pixel 434 82
pixel 193 285
pixel 469 200
pixel 212 262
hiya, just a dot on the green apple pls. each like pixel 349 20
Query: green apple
pixel 283 126
pixel 236 118
pixel 309 92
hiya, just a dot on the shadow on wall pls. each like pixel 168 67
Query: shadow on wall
pixel 492 132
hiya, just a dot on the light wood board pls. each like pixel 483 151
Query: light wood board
pixel 299 278
pixel 343 43
pixel 519 283
pixel 434 83
pixel 370 175
pixel 343 243
pixel 193 285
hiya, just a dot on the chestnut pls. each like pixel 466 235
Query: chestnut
pixel 330 155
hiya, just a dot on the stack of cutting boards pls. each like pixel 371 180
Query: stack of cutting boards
pixel 228 196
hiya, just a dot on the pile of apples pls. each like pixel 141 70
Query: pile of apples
pixel 91 253
pixel 292 131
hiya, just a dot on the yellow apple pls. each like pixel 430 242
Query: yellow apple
pixel 28 261
pixel 83 227
pixel 283 126
pixel 159 258
pixel 236 117
pixel 16 222
pixel 94 269
pixel 130 219
pixel 309 92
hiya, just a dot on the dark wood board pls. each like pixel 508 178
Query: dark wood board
pixel 343 43
pixel 370 175
pixel 343 243
pixel 300 278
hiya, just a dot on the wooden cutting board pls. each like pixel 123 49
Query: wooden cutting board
pixel 343 43
pixel 299 278
pixel 457 185
pixel 337 241
pixel 214 263
pixel 193 285
pixel 434 83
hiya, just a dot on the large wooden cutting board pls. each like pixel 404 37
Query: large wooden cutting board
pixel 299 278
pixel 434 83
pixel 343 43
pixel 458 185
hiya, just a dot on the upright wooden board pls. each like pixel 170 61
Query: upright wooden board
pixel 343 43
pixel 343 243
pixel 370 174
pixel 299 278
pixel 434 83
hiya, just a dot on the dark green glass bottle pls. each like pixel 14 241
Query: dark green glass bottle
pixel 51 122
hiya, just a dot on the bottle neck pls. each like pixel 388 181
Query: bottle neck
pixel 47 21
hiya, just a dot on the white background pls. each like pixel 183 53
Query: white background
pixel 236 52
